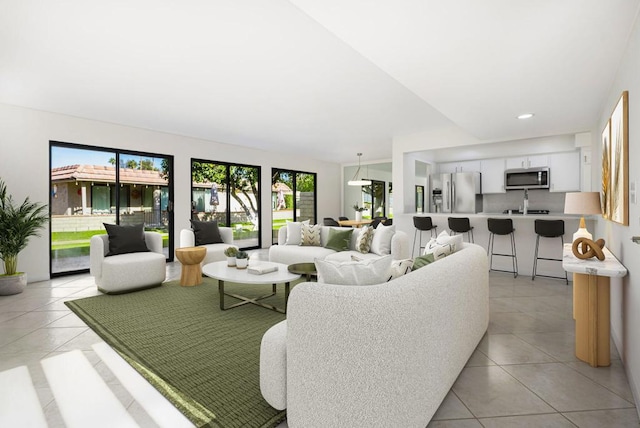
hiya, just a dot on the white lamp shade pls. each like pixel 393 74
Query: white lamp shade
pixel 583 203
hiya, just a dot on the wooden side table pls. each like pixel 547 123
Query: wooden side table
pixel 190 257
pixel 591 291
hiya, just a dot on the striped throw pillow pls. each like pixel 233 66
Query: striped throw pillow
pixel 310 235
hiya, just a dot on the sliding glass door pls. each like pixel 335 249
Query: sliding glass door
pixel 230 194
pixel 87 190
pixel 293 198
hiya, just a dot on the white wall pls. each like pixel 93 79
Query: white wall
pixel 24 166
pixel 625 292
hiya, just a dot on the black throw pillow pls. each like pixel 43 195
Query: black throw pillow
pixel 207 232
pixel 125 239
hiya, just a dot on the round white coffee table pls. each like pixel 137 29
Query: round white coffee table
pixel 222 272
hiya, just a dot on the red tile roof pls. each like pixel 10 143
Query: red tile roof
pixel 106 174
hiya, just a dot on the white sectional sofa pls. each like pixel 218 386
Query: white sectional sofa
pixel 215 252
pixel 379 355
pixel 290 254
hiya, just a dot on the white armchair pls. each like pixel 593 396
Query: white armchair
pixel 215 252
pixel 127 272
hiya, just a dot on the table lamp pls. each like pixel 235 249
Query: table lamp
pixel 583 203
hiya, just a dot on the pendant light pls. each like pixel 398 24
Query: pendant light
pixel 355 181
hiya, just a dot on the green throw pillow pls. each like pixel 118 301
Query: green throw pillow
pixel 339 239
pixel 421 261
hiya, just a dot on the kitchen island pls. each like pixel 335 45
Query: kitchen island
pixel 524 234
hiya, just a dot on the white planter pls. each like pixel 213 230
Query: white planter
pixel 358 215
pixel 231 261
pixel 242 263
pixel 13 284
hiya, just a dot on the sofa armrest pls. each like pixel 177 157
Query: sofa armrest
pixel 154 242
pixel 227 235
pixel 273 366
pixel 98 248
pixel 282 235
pixel 187 238
pixel 400 246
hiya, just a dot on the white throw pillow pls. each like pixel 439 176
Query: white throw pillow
pixel 381 242
pixel 454 240
pixel 400 267
pixel 294 232
pixel 443 245
pixel 439 251
pixel 367 272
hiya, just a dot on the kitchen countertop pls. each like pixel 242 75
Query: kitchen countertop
pixel 550 216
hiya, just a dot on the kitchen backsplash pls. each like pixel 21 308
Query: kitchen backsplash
pixel 513 199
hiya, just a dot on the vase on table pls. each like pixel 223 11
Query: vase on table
pixel 242 263
pixel 231 261
pixel 358 215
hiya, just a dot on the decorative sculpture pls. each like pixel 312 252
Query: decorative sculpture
pixel 585 248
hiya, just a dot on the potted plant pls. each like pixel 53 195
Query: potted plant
pixel 17 224
pixel 358 212
pixel 242 259
pixel 231 253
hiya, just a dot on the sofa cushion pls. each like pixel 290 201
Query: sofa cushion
pixel 294 232
pixel 339 239
pixel 206 232
pixel 310 234
pixel 400 267
pixel 443 245
pixel 350 256
pixel 381 243
pixel 422 261
pixel 125 239
pixel 363 241
pixel 366 272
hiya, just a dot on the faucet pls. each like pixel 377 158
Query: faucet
pixel 525 204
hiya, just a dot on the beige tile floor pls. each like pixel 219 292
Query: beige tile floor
pixel 523 373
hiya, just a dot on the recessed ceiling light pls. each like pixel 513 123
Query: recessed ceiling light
pixel 525 116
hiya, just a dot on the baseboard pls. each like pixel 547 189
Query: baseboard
pixel 633 385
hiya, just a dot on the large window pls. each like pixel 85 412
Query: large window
pixel 373 199
pixel 230 194
pixel 87 190
pixel 293 198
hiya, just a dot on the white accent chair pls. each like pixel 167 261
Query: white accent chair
pixel 215 252
pixel 127 272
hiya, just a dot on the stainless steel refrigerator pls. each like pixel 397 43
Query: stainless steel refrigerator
pixel 459 192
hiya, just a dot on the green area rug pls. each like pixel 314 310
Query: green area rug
pixel 204 360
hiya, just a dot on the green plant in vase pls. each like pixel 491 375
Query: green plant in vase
pixel 230 253
pixel 242 259
pixel 17 224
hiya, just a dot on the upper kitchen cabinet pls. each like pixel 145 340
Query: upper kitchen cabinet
pixel 493 175
pixel 564 171
pixel 528 161
pixel 453 167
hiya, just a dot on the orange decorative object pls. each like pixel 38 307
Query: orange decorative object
pixel 585 248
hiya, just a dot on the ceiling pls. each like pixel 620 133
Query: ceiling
pixel 325 79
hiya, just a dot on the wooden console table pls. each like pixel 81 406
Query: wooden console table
pixel 591 278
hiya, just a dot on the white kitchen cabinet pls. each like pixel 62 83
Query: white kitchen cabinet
pixel 564 171
pixel 452 167
pixel 493 175
pixel 532 161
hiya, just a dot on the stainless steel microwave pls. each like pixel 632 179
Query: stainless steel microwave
pixel 526 178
